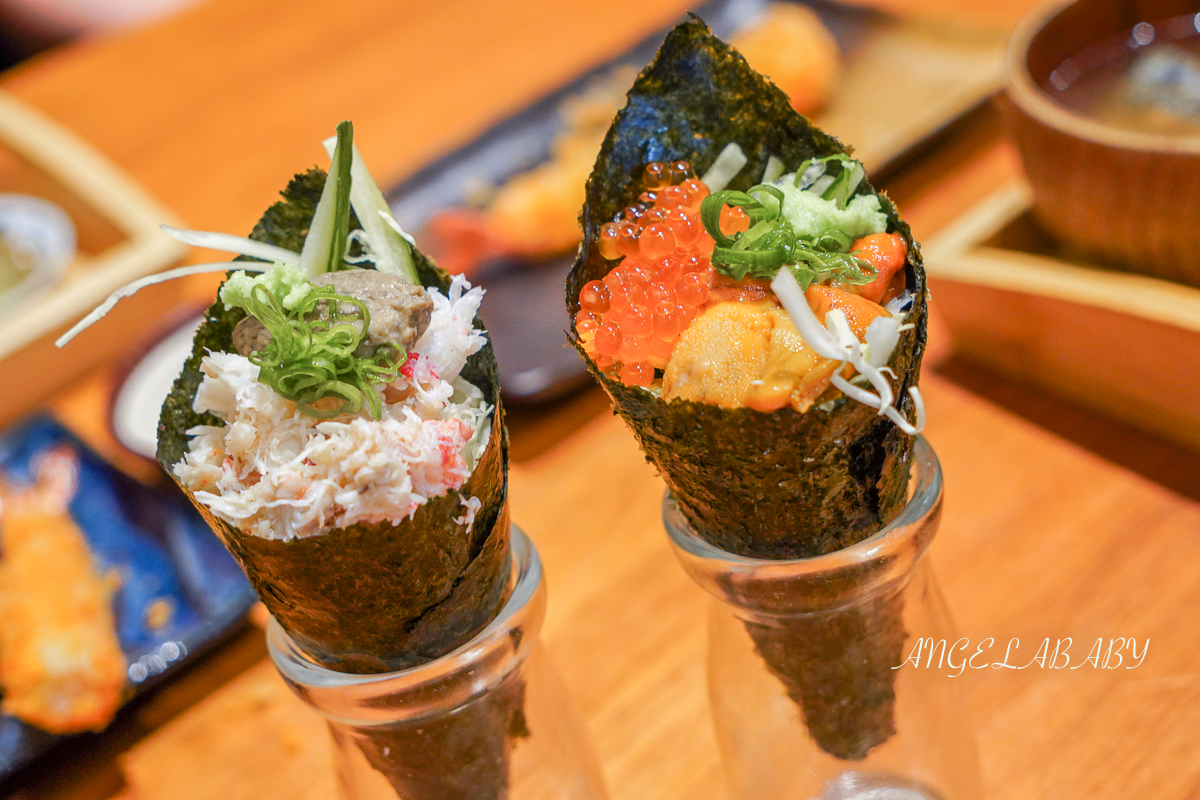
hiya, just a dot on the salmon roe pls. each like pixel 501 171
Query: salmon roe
pixel 629 321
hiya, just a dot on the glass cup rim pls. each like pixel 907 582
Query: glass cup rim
pixel 312 678
pixel 926 496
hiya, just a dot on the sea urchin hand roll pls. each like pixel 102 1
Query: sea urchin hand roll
pixel 756 311
pixel 339 425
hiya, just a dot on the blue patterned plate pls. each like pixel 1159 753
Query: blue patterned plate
pixel 164 553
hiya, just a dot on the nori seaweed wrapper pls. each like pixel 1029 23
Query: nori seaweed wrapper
pixel 479 735
pixel 387 596
pixel 778 485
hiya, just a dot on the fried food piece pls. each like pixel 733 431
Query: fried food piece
pixel 536 212
pixel 791 47
pixel 61 666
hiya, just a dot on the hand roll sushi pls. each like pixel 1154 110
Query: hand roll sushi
pixel 339 426
pixel 756 311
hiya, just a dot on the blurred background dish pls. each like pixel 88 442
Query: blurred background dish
pixel 175 590
pixel 535 213
pixel 1124 345
pixel 116 240
pixel 504 207
pixel 1104 106
pixel 37 243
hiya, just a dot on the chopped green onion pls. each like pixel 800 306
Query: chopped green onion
pixel 772 242
pixel 710 209
pixel 310 360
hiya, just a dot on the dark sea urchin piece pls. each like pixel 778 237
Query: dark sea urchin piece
pixel 778 485
pixel 383 597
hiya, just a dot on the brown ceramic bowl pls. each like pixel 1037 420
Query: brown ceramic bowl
pixel 1123 197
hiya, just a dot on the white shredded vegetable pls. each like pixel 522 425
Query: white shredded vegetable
pixel 835 340
pixel 814 334
pixel 728 164
pixel 773 170
pixel 133 287
pixel 901 303
pixel 387 217
pixel 229 243
pixel 882 336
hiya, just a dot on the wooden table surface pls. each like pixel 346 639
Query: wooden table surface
pixel 1057 524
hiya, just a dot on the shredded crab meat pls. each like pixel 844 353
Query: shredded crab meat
pixel 276 473
pixel 471 506
pixel 451 336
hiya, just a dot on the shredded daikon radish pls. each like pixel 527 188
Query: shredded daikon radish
pixel 134 287
pixel 229 243
pixel 728 164
pixel 773 170
pixel 814 334
pixel 387 217
pixel 835 340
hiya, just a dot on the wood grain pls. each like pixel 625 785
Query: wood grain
pixel 1023 553
pixel 213 110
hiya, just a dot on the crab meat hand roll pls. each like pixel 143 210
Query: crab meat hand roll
pixel 339 425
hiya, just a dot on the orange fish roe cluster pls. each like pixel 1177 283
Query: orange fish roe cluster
pixel 630 321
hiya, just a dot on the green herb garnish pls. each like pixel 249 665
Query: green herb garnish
pixel 842 188
pixel 308 360
pixel 772 242
pixel 325 245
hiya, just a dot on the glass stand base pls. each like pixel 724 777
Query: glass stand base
pixel 875 786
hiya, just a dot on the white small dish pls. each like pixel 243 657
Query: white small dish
pixel 42 236
pixel 138 402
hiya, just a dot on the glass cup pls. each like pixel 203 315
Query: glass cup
pixel 489 721
pixel 813 687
